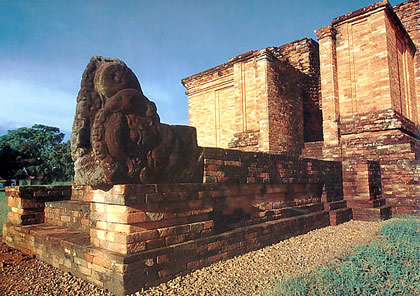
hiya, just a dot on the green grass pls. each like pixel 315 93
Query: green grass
pixel 4 209
pixel 389 265
pixel 57 183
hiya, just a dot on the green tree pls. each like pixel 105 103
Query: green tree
pixel 39 149
pixel 61 162
pixel 9 161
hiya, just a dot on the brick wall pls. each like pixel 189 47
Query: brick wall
pixel 68 214
pixel 258 92
pixel 369 103
pixel 140 235
pixel 204 98
pixel 27 203
pixel 303 55
pixel 401 50
pixel 367 43
pixel 329 85
pixel 398 156
pixel 285 98
pixel 223 166
pixel 409 14
pixel 137 235
pixel 246 141
pixel 227 99
pixel 361 53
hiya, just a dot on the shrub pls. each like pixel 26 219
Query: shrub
pixel 389 265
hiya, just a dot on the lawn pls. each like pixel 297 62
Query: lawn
pixel 4 209
pixel 389 265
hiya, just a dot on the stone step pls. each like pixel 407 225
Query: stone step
pixel 340 216
pixel 23 237
pixel 72 205
pixel 70 213
pixel 372 214
pixel 156 234
pixel 372 203
pixel 72 251
pixel 144 237
pixel 27 218
pixel 65 234
pixel 406 209
pixel 285 212
pixel 334 205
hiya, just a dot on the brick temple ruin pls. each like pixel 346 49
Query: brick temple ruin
pixel 353 98
pixel 288 139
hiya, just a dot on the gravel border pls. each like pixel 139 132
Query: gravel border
pixel 254 273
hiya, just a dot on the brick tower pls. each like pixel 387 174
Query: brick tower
pixel 354 98
pixel 370 76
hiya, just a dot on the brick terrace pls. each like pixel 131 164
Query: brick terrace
pixel 136 236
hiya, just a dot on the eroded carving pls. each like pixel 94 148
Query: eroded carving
pixel 117 136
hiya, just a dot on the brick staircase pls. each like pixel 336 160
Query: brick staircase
pixel 370 210
pixel 339 212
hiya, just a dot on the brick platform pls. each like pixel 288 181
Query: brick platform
pixel 136 236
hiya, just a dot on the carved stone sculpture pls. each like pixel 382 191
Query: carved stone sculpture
pixel 117 136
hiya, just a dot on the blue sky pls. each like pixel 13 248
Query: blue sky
pixel 45 46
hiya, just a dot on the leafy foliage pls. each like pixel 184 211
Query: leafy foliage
pixel 387 266
pixel 9 160
pixel 37 151
pixel 61 162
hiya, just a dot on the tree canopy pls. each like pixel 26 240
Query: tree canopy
pixel 37 151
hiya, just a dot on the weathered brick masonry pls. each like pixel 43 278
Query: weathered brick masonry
pixel 369 86
pixel 353 98
pixel 409 14
pixel 322 127
pixel 135 236
pixel 257 101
